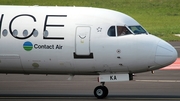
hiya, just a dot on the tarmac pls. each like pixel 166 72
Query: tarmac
pixel 164 84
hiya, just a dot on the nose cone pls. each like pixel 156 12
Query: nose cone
pixel 165 54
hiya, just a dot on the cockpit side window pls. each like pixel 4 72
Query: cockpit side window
pixel 137 29
pixel 112 31
pixel 122 30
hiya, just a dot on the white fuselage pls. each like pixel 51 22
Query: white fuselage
pixel 74 40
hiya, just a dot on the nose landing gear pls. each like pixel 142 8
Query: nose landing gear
pixel 101 91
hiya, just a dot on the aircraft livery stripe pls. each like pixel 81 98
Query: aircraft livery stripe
pixel 1 22
pixel 55 25
pixel 56 38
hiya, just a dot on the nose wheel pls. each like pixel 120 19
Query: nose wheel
pixel 101 91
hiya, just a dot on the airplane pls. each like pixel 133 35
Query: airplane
pixel 78 41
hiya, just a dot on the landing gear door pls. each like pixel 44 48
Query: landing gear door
pixel 82 40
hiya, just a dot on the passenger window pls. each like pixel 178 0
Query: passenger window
pixel 122 30
pixel 111 31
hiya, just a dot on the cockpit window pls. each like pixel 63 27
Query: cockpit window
pixel 137 30
pixel 122 30
pixel 111 31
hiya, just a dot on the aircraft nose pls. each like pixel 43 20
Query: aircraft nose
pixel 165 54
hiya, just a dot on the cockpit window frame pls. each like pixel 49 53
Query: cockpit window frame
pixel 146 32
pixel 122 33
pixel 112 34
pixel 116 33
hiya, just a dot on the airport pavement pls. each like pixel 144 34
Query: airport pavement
pixel 162 85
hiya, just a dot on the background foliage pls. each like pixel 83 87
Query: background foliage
pixel 159 17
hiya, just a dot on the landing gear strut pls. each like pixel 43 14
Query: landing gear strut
pixel 101 91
